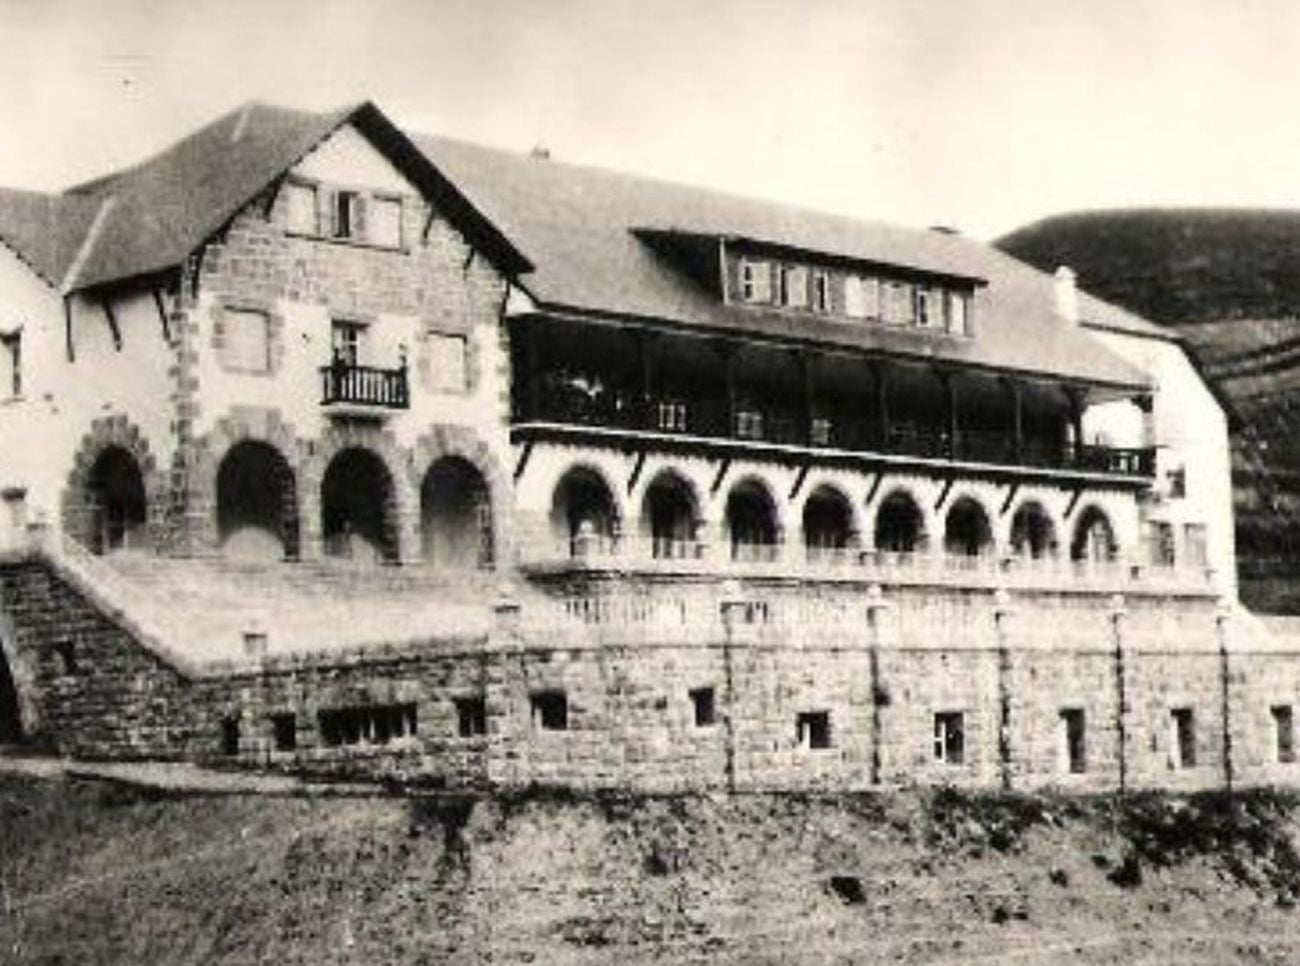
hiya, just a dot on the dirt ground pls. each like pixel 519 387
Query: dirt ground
pixel 95 872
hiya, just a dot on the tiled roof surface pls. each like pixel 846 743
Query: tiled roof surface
pixel 577 226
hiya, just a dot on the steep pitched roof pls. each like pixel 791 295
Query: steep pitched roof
pixel 165 207
pixel 578 226
pixel 44 230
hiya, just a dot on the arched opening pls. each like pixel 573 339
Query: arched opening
pixel 583 512
pixel 669 516
pixel 827 523
pixel 257 503
pixel 11 720
pixel 1094 540
pixel 118 502
pixel 455 515
pixel 900 526
pixel 966 530
pixel 1032 533
pixel 356 507
pixel 751 522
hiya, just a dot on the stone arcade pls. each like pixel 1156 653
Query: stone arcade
pixel 330 445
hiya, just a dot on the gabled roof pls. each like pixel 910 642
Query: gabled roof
pixel 164 208
pixel 579 226
pixel 44 230
pixel 580 233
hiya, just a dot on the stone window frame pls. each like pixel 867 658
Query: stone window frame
pixel 275 327
pixel 1072 720
pixel 950 744
pixel 813 730
pixel 424 359
pixel 313 185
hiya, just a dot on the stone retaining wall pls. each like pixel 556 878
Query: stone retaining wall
pixel 486 711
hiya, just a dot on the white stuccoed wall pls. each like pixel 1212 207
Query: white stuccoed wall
pixel 1190 430
pixel 41 432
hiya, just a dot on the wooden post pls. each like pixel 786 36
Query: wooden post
pixel 1012 386
pixel 808 400
pixel 881 375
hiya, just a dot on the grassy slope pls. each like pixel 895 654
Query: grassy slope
pixel 93 873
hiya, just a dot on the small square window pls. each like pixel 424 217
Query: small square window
pixel 671 416
pixel 447 364
pixel 384 222
pixel 1182 738
pixel 1284 732
pixel 284 730
pixel 550 710
pixel 246 341
pixel 705 709
pixel 749 424
pixel 1074 750
pixel 813 729
pixel 11 364
pixel 471 717
pixel 950 737
pixel 755 281
pixel 302 217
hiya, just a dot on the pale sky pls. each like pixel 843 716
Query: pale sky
pixel 979 114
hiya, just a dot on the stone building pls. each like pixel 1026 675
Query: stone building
pixel 330 445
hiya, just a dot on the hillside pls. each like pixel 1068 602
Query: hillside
pixel 101 873
pixel 1228 281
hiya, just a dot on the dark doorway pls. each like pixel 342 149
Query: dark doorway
pixel 118 501
pixel 257 503
pixel 356 508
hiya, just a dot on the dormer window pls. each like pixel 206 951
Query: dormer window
pixel 755 281
pixel 958 314
pixel 347 214
pixel 792 286
pixel 821 291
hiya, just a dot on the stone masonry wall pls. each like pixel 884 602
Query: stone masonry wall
pixel 1009 664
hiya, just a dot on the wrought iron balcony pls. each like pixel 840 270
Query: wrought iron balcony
pixel 364 387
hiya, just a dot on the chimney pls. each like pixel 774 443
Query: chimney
pixel 1067 295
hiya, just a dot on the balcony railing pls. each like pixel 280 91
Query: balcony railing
pixel 712 418
pixel 364 386
pixel 649 555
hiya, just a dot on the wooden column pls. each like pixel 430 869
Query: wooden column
pixel 950 410
pixel 645 360
pixel 1075 397
pixel 807 377
pixel 1013 388
pixel 729 354
pixel 881 376
pixel 532 362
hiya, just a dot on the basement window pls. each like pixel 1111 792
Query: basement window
pixel 706 713
pixel 471 717
pixel 284 731
pixel 375 724
pixel 67 652
pixel 550 710
pixel 230 735
pixel 813 729
pixel 1284 733
pixel 1182 738
pixel 950 737
pixel 1073 743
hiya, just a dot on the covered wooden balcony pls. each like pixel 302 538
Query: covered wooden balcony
pixel 605 382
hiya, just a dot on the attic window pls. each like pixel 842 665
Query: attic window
pixel 347 211
pixel 958 313
pixel 301 216
pixel 821 295
pixel 792 283
pixel 386 222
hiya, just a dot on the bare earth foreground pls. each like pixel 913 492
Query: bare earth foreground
pixel 99 872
